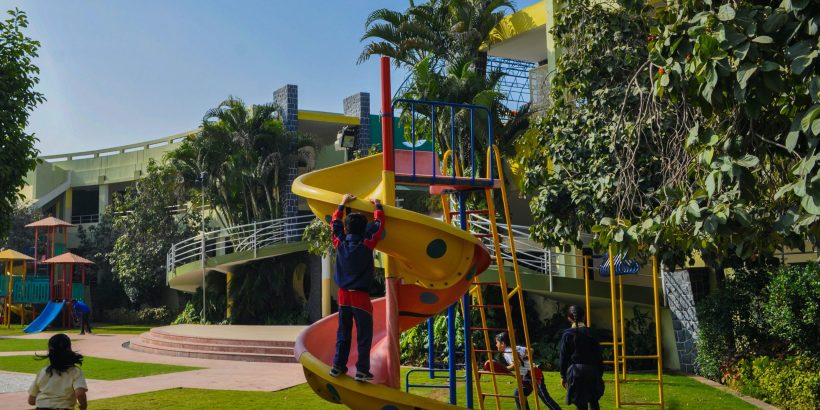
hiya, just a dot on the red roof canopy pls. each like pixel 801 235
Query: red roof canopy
pixel 69 258
pixel 49 222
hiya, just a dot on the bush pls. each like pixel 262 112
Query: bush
pixel 791 383
pixel 793 308
pixel 146 316
pixel 188 315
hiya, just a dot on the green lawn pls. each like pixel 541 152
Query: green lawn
pixel 23 345
pixel 17 330
pixel 681 393
pixel 93 367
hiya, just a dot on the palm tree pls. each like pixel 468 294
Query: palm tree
pixel 244 150
pixel 441 30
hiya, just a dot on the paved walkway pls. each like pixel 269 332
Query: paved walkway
pixel 216 374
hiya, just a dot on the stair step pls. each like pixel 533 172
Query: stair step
pixel 147 339
pixel 159 334
pixel 137 345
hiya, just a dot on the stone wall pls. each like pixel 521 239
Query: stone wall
pixel 358 105
pixel 681 301
pixel 287 98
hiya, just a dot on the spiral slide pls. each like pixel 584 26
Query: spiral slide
pixel 435 262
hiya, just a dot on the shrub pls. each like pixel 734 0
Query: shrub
pixel 188 315
pixel 793 308
pixel 791 383
pixel 148 315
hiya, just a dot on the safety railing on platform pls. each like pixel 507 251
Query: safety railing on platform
pixel 530 255
pixel 250 237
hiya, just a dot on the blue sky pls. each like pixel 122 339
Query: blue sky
pixel 119 72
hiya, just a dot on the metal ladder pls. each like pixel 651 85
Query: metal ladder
pixel 509 291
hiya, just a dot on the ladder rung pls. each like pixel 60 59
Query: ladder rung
pixel 498 395
pixel 487 283
pixel 500 329
pixel 482 235
pixel 477 211
pixel 639 380
pixel 488 306
pixel 486 351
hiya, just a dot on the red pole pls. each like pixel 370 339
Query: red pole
pixel 387 116
pixel 36 238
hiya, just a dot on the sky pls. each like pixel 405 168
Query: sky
pixel 119 72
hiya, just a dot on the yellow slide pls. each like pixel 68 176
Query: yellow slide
pixel 435 261
pixel 21 312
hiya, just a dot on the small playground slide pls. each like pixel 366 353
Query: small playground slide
pixel 21 311
pixel 435 261
pixel 46 317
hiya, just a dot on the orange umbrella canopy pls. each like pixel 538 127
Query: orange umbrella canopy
pixel 49 222
pixel 69 258
pixel 12 255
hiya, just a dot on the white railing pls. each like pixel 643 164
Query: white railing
pixel 250 237
pixel 529 254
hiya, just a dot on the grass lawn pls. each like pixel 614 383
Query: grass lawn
pixel 17 330
pixel 93 367
pixel 681 393
pixel 23 345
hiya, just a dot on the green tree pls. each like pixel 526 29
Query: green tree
pixel 245 150
pixel 96 244
pixel 18 76
pixel 148 230
pixel 659 140
pixel 18 237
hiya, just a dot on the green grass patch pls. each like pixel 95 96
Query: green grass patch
pixel 23 345
pixel 298 397
pixel 681 392
pixel 93 367
pixel 14 330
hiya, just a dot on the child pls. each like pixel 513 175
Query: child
pixel 81 311
pixel 354 243
pixel 581 363
pixel 62 383
pixel 502 344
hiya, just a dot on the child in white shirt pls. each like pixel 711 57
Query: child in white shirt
pixel 62 383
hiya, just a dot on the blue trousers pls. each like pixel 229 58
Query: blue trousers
pixel 540 391
pixel 364 337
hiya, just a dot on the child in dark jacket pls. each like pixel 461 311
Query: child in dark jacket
pixel 354 242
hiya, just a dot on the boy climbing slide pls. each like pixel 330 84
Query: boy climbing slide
pixel 354 241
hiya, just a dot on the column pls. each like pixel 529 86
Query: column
pixel 358 105
pixel 287 98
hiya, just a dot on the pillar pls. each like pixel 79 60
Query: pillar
pixel 228 297
pixel 327 274
pixel 287 98
pixel 103 198
pixel 358 105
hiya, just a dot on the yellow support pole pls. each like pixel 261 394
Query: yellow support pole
pixel 614 328
pixel 657 327
pixel 623 330
pixel 587 263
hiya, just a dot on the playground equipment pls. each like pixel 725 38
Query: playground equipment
pixel 46 317
pixel 8 257
pixel 618 266
pixel 62 280
pixel 429 266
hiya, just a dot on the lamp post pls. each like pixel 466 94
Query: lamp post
pixel 201 181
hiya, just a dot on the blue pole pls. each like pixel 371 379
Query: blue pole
pixel 468 371
pixel 451 344
pixel 431 350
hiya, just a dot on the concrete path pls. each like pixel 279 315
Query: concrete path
pixel 216 374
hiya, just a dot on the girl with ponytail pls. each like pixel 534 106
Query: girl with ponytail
pixel 581 363
pixel 61 384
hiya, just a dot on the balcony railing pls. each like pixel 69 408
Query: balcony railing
pixel 250 237
pixel 85 219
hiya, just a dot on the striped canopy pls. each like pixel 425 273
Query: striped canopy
pixel 623 265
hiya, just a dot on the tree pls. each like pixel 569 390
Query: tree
pixel 96 244
pixel 18 76
pixel 652 143
pixel 245 150
pixel 148 230
pixel 18 237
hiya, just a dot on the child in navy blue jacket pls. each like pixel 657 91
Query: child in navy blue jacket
pixel 354 242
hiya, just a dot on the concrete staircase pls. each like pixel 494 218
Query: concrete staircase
pixel 158 342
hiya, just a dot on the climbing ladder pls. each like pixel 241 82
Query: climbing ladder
pixel 510 292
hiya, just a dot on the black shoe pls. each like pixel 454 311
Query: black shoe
pixel 363 376
pixel 337 371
